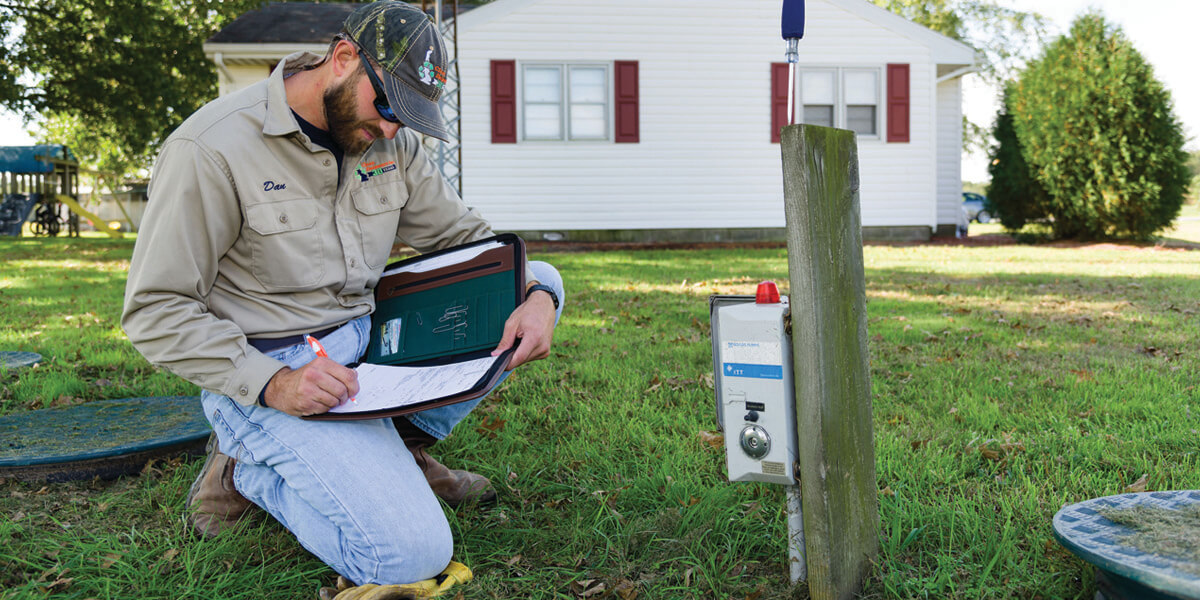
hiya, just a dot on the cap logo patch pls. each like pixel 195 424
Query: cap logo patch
pixel 431 75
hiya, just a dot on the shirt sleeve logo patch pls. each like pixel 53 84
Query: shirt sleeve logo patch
pixel 369 169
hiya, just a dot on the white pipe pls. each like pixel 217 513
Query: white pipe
pixel 796 556
pixel 220 60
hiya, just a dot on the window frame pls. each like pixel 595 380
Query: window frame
pixel 565 104
pixel 840 106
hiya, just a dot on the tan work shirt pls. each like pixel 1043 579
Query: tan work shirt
pixel 247 233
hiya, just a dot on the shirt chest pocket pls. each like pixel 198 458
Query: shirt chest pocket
pixel 378 211
pixel 286 252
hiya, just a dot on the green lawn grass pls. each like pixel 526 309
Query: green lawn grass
pixel 1007 381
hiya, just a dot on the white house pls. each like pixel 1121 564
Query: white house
pixel 658 119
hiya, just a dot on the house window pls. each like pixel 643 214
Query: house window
pixel 845 98
pixel 565 102
pixel 817 89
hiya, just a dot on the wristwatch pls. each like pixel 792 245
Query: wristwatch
pixel 545 288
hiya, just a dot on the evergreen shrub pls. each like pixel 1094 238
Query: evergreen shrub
pixel 1099 135
pixel 1014 196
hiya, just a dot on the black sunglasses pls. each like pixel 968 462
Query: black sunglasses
pixel 380 101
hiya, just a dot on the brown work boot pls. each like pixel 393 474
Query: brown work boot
pixel 451 485
pixel 213 504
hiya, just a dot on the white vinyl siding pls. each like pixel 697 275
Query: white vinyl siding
pixel 564 102
pixel 846 98
pixel 704 159
pixel 949 149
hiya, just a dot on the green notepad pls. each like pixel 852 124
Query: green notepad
pixel 448 303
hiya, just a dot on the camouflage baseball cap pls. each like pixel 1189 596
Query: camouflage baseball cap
pixel 406 43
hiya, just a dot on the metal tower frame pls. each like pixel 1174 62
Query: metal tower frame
pixel 448 155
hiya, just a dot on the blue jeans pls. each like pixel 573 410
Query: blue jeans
pixel 350 491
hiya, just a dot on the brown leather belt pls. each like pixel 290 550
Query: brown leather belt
pixel 268 344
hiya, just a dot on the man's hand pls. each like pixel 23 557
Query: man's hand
pixel 533 322
pixel 312 389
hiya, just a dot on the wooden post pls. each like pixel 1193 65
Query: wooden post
pixel 829 353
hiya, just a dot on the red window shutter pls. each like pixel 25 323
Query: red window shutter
pixel 779 94
pixel 504 101
pixel 897 102
pixel 625 92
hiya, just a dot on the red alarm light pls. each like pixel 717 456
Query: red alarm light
pixel 767 293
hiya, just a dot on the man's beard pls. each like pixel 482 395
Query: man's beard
pixel 341 113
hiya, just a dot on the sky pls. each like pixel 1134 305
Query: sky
pixel 1162 30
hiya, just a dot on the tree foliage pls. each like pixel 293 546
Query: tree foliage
pixel 120 74
pixel 1005 36
pixel 1098 133
pixel 1014 196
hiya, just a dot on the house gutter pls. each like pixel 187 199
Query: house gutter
pixel 948 76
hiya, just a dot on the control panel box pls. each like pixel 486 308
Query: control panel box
pixel 752 374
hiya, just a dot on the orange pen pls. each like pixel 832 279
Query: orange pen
pixel 316 346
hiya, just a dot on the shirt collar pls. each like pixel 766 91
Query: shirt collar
pixel 279 119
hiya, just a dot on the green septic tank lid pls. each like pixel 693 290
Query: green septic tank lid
pixel 105 439
pixel 16 360
pixel 1123 571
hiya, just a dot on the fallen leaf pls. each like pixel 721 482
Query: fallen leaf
pixel 109 560
pixel 1083 374
pixel 1137 486
pixel 490 426
pixel 654 385
pixel 588 588
pixel 712 439
pixel 60 584
pixel 626 590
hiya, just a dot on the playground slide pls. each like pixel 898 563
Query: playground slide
pixel 97 222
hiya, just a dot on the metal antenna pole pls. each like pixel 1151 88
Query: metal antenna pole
pixel 793 57
pixel 796 557
pixel 792 29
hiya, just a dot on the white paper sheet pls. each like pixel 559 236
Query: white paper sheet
pixel 382 386
pixel 450 258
